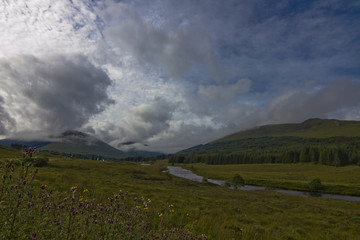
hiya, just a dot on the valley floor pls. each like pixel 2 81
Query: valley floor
pixel 217 212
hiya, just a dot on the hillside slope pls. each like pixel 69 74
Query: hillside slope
pixel 312 128
pixel 327 141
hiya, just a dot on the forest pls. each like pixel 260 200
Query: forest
pixel 334 151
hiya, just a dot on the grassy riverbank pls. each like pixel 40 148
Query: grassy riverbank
pixel 203 208
pixel 336 180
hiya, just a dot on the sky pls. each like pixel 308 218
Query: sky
pixel 165 75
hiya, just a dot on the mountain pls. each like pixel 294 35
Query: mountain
pixel 328 141
pixel 312 128
pixel 79 143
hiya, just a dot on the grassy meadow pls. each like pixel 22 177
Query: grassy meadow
pixel 336 180
pixel 173 208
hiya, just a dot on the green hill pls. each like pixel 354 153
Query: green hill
pixel 327 141
pixel 9 153
pixel 312 128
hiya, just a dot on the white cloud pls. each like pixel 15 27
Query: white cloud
pixel 177 51
pixel 38 27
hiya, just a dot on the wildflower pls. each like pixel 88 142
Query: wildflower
pixel 73 189
pixel 160 214
pixel 29 204
pixel 43 186
pixel 128 224
pixel 58 222
pixel 10 176
pixel 24 182
pixel 95 221
pixel 110 220
pixel 85 190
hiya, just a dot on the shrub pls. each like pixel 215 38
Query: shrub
pixel 41 162
pixel 236 182
pixel 315 185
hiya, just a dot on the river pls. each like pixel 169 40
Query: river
pixel 187 174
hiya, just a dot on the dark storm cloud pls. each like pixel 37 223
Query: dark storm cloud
pixel 52 93
pixel 6 122
pixel 299 105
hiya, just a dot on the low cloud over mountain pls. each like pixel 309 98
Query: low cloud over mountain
pixel 50 94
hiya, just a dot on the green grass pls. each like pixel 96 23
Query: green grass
pixel 217 212
pixel 338 180
pixel 8 153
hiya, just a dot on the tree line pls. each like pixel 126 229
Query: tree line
pixel 336 151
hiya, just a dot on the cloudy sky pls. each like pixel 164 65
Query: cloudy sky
pixel 168 74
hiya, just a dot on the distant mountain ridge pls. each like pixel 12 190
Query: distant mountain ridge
pixel 79 143
pixel 311 128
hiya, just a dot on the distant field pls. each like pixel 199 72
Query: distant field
pixel 217 212
pixel 341 180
